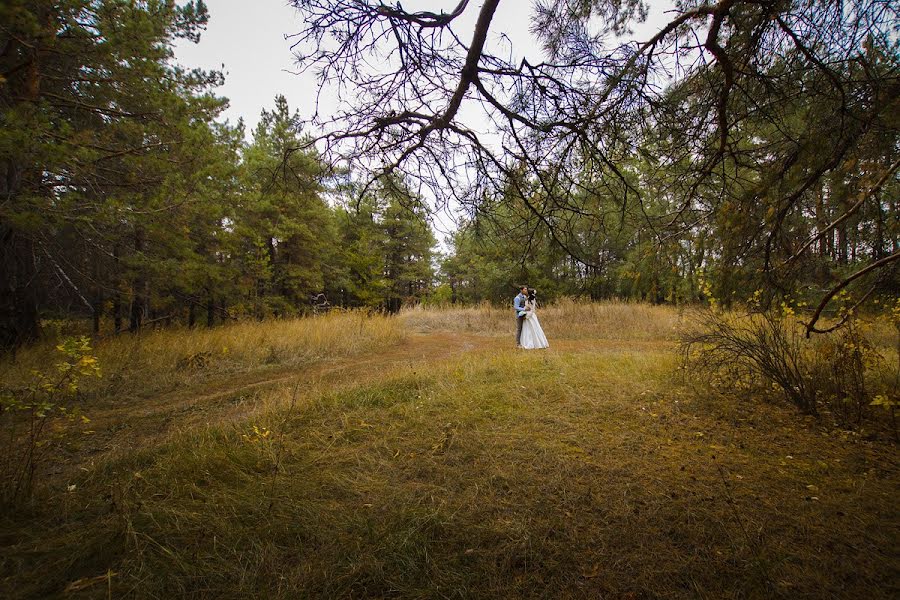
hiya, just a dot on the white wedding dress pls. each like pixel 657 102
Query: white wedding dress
pixel 532 334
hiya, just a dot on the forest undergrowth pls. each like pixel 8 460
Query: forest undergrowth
pixel 424 457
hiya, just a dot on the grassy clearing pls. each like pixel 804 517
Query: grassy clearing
pixel 556 474
pixel 565 319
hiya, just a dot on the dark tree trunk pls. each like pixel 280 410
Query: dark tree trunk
pixel 843 239
pixel 117 312
pixel 117 297
pixel 139 288
pixel 822 223
pixel 210 310
pixel 878 246
pixel 895 240
pixel 97 300
pixel 98 311
pixel 192 314
pixel 135 314
pixel 19 321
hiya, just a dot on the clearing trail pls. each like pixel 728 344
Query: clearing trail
pixel 119 428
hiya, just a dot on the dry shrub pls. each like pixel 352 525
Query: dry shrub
pixel 752 352
pixel 564 319
pixel 761 352
pixel 853 373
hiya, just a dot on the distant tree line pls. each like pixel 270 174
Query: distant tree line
pixel 124 199
pixel 742 145
pixel 720 259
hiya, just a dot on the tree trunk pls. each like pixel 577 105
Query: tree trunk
pixel 19 321
pixel 117 296
pixel 138 298
pixel 192 314
pixel 98 311
pixel 97 300
pixel 210 309
pixel 822 222
pixel 878 246
pixel 844 234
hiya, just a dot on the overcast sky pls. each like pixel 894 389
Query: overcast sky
pixel 249 45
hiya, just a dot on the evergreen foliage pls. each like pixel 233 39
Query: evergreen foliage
pixel 126 200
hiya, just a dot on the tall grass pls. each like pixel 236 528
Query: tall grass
pixel 158 360
pixel 852 373
pixel 536 475
pixel 564 319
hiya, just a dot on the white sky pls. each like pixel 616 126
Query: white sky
pixel 249 46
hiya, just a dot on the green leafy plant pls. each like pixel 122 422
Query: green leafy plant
pixel 31 413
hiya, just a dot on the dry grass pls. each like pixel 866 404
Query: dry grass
pixel 837 376
pixel 565 319
pixel 584 472
pixel 156 361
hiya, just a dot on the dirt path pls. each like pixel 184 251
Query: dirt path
pixel 118 428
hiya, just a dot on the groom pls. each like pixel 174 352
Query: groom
pixel 519 306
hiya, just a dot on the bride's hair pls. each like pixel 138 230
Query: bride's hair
pixel 531 294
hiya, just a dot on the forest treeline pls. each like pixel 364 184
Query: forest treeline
pixel 127 200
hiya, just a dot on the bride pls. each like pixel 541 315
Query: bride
pixel 532 333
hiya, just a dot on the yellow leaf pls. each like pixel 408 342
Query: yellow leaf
pixel 591 573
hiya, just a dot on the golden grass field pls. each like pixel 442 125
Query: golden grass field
pixel 423 456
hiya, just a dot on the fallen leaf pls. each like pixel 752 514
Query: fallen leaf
pixel 590 574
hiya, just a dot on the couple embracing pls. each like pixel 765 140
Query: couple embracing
pixel 529 334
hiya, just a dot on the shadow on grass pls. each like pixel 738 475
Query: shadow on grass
pixel 502 475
